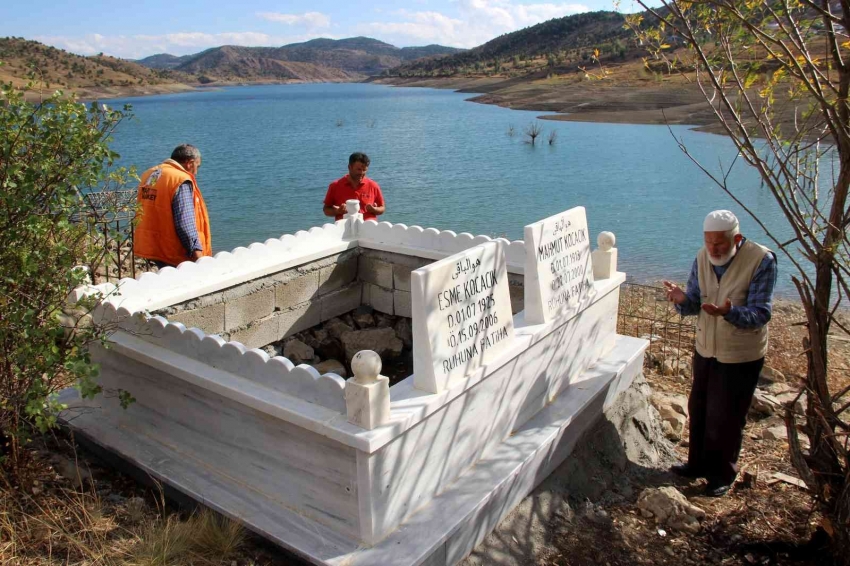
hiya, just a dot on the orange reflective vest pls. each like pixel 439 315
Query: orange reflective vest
pixel 155 236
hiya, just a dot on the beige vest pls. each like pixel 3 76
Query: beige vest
pixel 715 337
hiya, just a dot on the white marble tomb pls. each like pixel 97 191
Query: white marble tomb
pixel 354 472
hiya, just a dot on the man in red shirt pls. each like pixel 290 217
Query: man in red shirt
pixel 355 185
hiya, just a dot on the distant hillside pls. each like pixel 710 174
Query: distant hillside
pixel 230 62
pixel 163 61
pixel 56 68
pixel 412 53
pixel 317 59
pixel 560 41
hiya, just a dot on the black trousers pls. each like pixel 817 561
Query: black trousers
pixel 718 405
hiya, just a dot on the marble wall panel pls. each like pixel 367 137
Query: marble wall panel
pixel 287 464
pixel 426 459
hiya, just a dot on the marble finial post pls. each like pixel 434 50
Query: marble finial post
pixel 352 208
pixel 604 258
pixel 367 394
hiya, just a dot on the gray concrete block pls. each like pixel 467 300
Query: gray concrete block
pixel 379 298
pixel 401 277
pixel 328 261
pixel 341 301
pixel 248 288
pixel 338 275
pixel 401 304
pixel 299 318
pixel 283 276
pixel 371 270
pixel 364 294
pixel 413 262
pixel 318 264
pixel 241 311
pixel 201 302
pixel 260 333
pixel 300 288
pixel 209 319
pixel 517 295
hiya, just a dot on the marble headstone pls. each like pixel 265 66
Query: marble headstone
pixel 558 267
pixel 461 315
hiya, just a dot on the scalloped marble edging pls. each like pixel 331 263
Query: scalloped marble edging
pixel 130 298
pixel 441 243
pixel 277 373
pixel 208 274
pixel 171 285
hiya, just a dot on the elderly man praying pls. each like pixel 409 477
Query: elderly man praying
pixel 730 289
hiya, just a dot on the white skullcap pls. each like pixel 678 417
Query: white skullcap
pixel 720 221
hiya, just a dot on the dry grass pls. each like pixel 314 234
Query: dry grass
pixel 205 538
pixel 54 523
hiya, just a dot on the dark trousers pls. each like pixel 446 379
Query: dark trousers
pixel 718 405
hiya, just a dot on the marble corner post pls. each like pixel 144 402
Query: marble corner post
pixel 604 258
pixel 367 394
pixel 352 209
pixel 352 215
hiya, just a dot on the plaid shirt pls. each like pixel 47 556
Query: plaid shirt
pixel 183 210
pixel 758 310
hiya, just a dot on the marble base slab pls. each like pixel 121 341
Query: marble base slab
pixel 441 533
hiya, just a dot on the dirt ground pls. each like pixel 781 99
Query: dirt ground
pixel 584 513
pixel 595 520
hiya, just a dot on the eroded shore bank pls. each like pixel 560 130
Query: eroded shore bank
pixel 579 99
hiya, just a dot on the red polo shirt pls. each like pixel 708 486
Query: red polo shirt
pixel 367 193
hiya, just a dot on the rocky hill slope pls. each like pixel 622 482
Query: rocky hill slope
pixel 56 68
pixel 317 59
pixel 560 41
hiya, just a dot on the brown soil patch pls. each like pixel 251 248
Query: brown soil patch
pixel 759 522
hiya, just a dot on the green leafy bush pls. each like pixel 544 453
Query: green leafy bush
pixel 52 153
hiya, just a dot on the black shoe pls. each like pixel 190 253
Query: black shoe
pixel 716 489
pixel 686 471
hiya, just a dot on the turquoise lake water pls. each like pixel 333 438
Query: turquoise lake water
pixel 269 153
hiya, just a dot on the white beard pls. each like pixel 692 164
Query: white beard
pixel 724 259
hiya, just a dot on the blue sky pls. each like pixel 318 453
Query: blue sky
pixel 181 27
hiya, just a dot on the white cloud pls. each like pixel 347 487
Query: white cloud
pixel 182 43
pixel 479 21
pixel 476 22
pixel 420 26
pixel 310 20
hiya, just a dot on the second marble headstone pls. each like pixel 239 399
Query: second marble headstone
pixel 558 268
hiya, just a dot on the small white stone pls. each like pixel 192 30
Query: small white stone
pixel 367 395
pixel 352 208
pixel 775 433
pixel 606 241
pixel 366 366
pixel 604 258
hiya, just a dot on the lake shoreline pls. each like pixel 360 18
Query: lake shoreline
pixel 582 100
pixel 91 94
pixel 570 100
